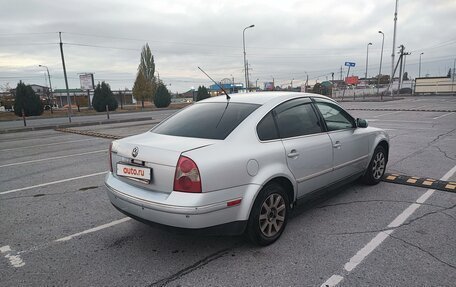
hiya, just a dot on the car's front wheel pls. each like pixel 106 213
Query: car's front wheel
pixel 376 168
pixel 269 215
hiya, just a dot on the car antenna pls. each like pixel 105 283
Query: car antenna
pixel 227 96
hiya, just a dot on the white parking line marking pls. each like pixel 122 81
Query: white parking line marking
pixel 93 229
pixel 52 158
pixel 50 144
pixel 366 250
pixel 332 281
pixel 381 236
pixel 14 259
pixel 381 115
pixel 436 118
pixel 51 183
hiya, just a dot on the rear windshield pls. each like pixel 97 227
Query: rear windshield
pixel 206 120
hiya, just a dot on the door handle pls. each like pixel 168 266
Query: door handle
pixel 337 145
pixel 293 154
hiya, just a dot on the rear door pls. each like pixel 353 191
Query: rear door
pixel 350 145
pixel 307 148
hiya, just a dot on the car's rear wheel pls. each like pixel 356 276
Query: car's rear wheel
pixel 269 215
pixel 377 167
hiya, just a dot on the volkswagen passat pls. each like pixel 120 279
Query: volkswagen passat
pixel 239 165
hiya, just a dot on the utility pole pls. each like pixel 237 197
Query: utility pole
pixel 394 48
pixel 454 72
pixel 341 73
pixel 380 69
pixel 66 79
pixel 400 68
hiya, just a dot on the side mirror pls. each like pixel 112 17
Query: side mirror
pixel 360 123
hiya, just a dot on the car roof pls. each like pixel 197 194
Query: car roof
pixel 260 98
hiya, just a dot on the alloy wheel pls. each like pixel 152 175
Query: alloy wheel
pixel 272 215
pixel 378 166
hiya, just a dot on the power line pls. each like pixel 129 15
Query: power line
pixel 100 46
pixel 26 33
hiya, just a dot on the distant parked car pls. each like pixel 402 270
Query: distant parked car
pixel 241 164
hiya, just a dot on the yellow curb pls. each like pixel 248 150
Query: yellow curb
pixel 411 180
pixel 450 186
pixel 391 177
pixel 430 179
pixel 426 182
pixel 414 177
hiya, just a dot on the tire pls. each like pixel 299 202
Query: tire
pixel 269 215
pixel 376 168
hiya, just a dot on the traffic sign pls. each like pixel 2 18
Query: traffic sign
pixel 350 64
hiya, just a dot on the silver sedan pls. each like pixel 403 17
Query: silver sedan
pixel 240 165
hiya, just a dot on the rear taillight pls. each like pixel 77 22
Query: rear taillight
pixel 187 177
pixel 110 157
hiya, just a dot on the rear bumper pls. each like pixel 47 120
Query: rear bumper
pixel 231 228
pixel 184 210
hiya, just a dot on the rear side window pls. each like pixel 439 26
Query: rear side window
pixel 297 118
pixel 267 129
pixel 206 120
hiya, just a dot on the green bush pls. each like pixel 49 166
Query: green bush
pixel 202 93
pixel 162 97
pixel 103 96
pixel 26 99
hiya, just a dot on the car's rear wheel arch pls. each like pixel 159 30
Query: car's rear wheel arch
pixel 286 184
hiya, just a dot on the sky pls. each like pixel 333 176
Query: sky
pixel 290 41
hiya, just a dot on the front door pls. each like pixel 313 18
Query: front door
pixel 350 145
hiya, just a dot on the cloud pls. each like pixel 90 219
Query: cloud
pixel 290 39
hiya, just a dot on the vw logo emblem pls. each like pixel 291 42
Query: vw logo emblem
pixel 135 151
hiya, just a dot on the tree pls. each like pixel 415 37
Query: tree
pixel 202 93
pixel 142 89
pixel 147 65
pixel 26 101
pixel 103 97
pixel 405 77
pixel 162 96
pixel 449 73
pixel 145 83
pixel 384 79
pixel 317 89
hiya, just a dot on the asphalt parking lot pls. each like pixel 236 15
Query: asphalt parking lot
pixel 58 228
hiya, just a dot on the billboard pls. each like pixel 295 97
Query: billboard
pixel 353 80
pixel 269 86
pixel 86 81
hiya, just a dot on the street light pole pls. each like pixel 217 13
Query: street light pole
pixel 419 67
pixel 245 61
pixel 380 70
pixel 394 49
pixel 50 86
pixel 367 59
